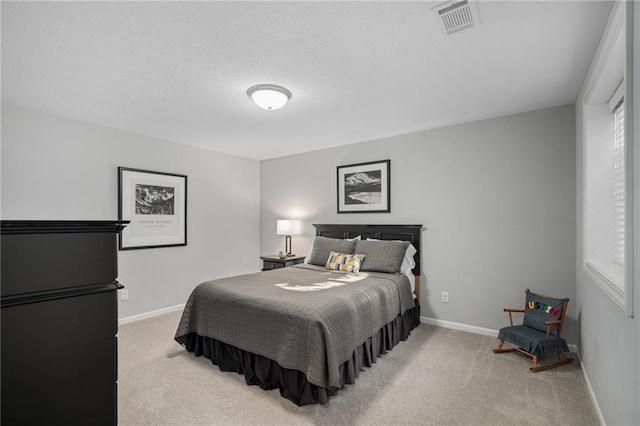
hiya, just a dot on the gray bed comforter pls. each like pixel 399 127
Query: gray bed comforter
pixel 303 317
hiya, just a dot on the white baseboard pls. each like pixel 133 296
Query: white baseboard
pixel 574 350
pixel 592 394
pixel 474 329
pixel 459 326
pixel 150 314
pixel 494 333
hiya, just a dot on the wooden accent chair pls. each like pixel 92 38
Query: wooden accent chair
pixel 539 333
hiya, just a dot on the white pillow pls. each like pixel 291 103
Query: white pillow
pixel 358 238
pixel 412 280
pixel 408 263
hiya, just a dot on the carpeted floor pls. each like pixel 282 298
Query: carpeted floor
pixel 437 377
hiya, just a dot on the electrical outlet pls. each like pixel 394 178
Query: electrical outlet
pixel 124 294
pixel 445 297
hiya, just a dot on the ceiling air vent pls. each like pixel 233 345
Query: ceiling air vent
pixel 455 16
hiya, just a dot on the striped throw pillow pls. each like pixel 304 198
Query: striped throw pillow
pixel 344 262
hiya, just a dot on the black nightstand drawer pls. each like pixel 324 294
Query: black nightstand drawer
pixel 274 262
pixel 267 264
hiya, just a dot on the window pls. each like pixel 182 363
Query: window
pixel 608 166
pixel 605 197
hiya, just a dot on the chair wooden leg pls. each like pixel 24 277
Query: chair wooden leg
pixel 561 361
pixel 499 349
pixel 536 366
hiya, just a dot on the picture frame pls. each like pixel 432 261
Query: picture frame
pixel 155 203
pixel 364 187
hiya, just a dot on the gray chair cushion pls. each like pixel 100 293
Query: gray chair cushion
pixel 539 309
pixel 382 256
pixel 532 341
pixel 323 246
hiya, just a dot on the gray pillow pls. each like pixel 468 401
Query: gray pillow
pixel 539 309
pixel 323 246
pixel 382 256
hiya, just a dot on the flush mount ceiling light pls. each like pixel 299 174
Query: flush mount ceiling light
pixel 269 96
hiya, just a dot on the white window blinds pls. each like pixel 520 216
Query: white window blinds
pixel 618 183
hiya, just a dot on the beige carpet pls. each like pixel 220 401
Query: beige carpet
pixel 437 377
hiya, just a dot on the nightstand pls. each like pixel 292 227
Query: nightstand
pixel 274 262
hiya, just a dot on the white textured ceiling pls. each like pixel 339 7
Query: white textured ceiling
pixel 358 70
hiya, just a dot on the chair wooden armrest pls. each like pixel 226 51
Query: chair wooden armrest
pixel 511 310
pixel 551 323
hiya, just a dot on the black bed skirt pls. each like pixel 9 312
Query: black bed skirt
pixel 293 384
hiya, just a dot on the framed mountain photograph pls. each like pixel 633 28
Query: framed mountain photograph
pixel 365 187
pixel 156 205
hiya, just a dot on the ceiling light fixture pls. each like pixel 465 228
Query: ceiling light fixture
pixel 269 96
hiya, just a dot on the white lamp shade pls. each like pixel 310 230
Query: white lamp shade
pixel 288 227
pixel 269 96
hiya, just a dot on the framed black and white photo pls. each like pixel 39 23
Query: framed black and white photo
pixel 155 203
pixel 365 187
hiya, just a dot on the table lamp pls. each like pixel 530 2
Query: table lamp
pixel 288 228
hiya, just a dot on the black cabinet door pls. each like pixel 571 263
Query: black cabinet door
pixel 59 361
pixel 52 262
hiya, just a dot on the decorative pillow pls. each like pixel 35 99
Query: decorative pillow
pixel 344 262
pixel 408 263
pixel 382 255
pixel 359 237
pixel 323 246
pixel 539 309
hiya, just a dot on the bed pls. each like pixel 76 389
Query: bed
pixel 309 329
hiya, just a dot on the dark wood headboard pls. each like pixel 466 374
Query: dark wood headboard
pixel 411 233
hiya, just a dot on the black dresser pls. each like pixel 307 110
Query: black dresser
pixel 59 322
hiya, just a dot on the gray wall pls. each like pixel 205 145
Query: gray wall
pixel 497 197
pixel 636 180
pixel 54 168
pixel 609 339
